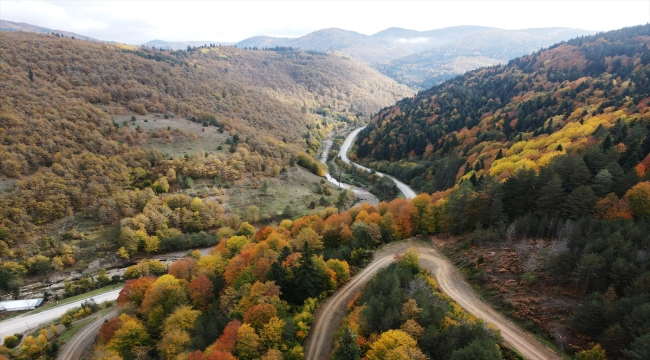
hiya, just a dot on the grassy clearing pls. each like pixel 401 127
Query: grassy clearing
pixel 6 185
pixel 296 189
pixel 207 138
pixel 78 297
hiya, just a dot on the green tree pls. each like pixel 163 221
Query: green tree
pixel 348 347
pixel 458 204
pixel 551 197
pixel 639 349
pixel 309 281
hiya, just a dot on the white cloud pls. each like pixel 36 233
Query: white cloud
pixel 139 21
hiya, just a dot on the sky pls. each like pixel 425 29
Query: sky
pixel 136 22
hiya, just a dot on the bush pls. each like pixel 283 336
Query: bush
pixel 11 341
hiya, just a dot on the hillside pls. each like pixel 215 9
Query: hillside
pixel 69 135
pixel 542 164
pixel 182 45
pixel 526 110
pixel 488 47
pixel 383 46
pixel 11 26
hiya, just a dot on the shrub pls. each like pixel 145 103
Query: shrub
pixel 11 341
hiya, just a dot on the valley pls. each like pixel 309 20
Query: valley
pixel 467 192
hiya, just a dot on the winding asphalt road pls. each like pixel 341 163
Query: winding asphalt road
pixel 343 154
pixel 330 315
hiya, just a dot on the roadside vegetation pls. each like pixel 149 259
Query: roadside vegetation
pixel 401 314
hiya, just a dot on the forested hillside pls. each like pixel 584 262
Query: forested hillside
pixel 587 98
pixel 488 47
pixel 548 155
pixel 62 147
pixel 401 314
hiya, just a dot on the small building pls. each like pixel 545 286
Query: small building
pixel 18 305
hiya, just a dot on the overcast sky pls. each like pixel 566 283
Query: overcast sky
pixel 136 22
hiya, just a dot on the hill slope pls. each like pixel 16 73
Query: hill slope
pixel 568 98
pixel 480 49
pixel 383 46
pixel 11 26
pixel 543 165
pixel 61 100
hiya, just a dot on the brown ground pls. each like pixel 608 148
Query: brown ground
pixel 541 306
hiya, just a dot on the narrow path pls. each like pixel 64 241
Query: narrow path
pixel 343 154
pixel 329 317
pixel 83 339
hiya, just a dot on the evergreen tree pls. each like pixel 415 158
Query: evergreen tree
pixel 348 348
pixel 309 281
pixel 551 197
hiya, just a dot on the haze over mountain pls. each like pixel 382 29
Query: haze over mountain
pixel 423 58
pixel 418 59
pixel 383 46
pixel 11 26
pixel 485 48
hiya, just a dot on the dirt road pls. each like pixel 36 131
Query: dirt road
pixel 83 339
pixel 319 344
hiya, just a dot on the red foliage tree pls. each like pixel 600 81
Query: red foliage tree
pixel 197 355
pixel 259 315
pixel 108 329
pixel 221 355
pixel 183 269
pixel 226 342
pixel 201 292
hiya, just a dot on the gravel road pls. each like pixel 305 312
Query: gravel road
pixel 329 317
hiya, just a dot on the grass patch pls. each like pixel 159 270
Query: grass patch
pixel 78 297
pixel 6 185
pixel 73 330
pixel 296 189
pixel 207 138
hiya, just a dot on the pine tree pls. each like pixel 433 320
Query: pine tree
pixel 551 197
pixel 348 348
pixel 308 280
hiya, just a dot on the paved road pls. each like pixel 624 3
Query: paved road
pixel 27 321
pixel 364 195
pixel 343 154
pixel 330 315
pixel 83 339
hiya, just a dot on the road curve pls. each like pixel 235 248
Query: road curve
pixel 83 339
pixel 27 321
pixel 364 195
pixel 343 154
pixel 329 317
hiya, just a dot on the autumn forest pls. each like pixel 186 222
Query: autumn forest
pixel 188 181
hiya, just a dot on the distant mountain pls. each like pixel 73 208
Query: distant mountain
pixel 474 50
pixel 182 45
pixel 381 47
pixel 17 26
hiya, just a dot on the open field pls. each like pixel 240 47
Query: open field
pixel 296 189
pixel 207 138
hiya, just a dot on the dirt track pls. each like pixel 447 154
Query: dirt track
pixel 83 339
pixel 329 317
